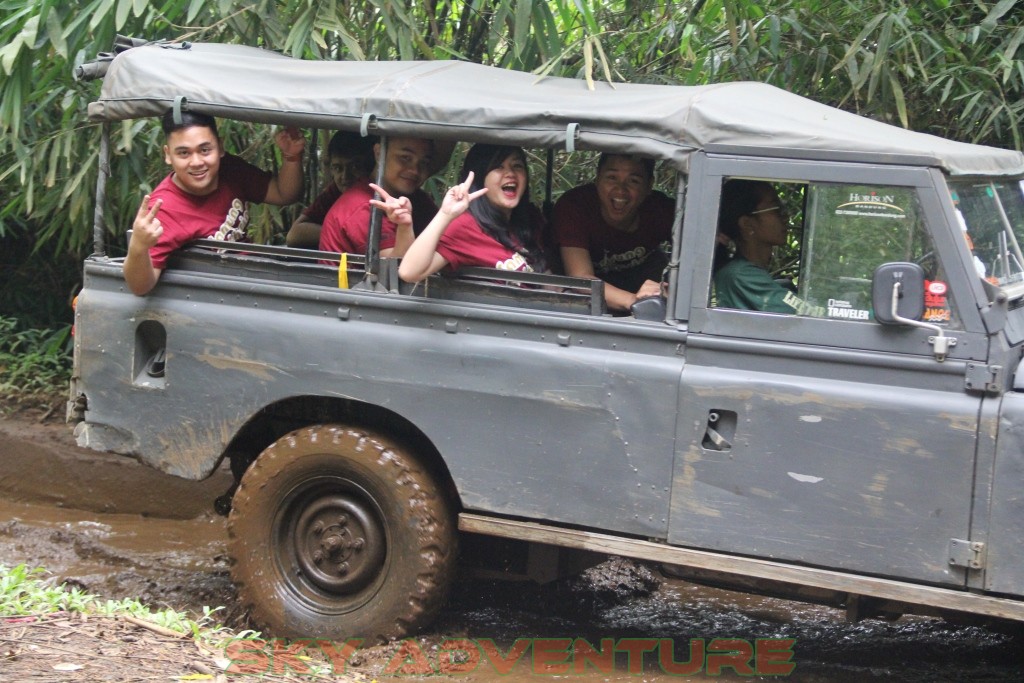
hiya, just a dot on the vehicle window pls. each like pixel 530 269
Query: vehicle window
pixel 834 242
pixel 991 214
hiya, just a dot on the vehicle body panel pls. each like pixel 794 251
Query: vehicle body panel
pixel 573 432
pixel 1005 571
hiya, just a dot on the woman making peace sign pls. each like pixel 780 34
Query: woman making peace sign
pixel 501 232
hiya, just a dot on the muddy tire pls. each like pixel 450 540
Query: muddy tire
pixel 338 533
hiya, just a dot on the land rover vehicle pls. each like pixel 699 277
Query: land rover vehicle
pixel 864 453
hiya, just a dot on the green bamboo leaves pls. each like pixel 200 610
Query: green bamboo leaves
pixel 955 69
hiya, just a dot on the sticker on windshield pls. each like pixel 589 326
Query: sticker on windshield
pixel 840 308
pixel 872 204
pixel 936 305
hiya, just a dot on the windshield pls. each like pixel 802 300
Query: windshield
pixel 991 214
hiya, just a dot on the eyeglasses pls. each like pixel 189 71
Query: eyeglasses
pixel 770 208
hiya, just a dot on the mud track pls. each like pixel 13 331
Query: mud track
pixel 119 529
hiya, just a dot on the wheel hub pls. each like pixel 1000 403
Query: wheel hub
pixel 340 543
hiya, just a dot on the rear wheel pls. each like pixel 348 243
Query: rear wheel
pixel 336 532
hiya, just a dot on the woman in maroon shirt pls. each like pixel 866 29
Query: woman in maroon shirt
pixel 503 231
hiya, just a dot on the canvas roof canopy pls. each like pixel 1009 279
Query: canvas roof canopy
pixel 464 101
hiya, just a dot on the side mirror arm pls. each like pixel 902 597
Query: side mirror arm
pixel 939 341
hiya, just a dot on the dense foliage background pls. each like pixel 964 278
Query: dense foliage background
pixel 940 66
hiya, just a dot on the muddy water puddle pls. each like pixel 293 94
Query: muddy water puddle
pixel 120 530
pixel 179 563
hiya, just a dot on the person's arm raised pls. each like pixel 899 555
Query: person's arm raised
pixel 286 187
pixel 139 272
pixel 422 260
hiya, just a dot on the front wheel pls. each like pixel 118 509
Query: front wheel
pixel 336 532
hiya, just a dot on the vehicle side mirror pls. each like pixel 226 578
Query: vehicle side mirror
pixel 908 279
pixel 653 308
pixel 897 297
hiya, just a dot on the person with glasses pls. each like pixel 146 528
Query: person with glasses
pixel 350 158
pixel 408 162
pixel 754 220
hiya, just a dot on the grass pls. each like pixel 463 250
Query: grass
pixel 27 592
pixel 28 597
pixel 23 592
pixel 35 365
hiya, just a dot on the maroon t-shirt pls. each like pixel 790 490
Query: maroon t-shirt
pixel 622 259
pixel 465 244
pixel 346 228
pixel 317 211
pixel 221 215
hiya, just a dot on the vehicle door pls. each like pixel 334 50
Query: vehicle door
pixel 992 212
pixel 821 436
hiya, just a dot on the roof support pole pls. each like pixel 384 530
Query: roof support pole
pixel 372 279
pixel 673 264
pixel 548 177
pixel 313 166
pixel 98 221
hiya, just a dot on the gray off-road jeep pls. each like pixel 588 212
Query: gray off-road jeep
pixel 865 452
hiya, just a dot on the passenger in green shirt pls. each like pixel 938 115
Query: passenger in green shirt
pixel 752 216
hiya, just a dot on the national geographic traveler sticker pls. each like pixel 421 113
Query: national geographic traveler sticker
pixel 873 205
pixel 840 308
